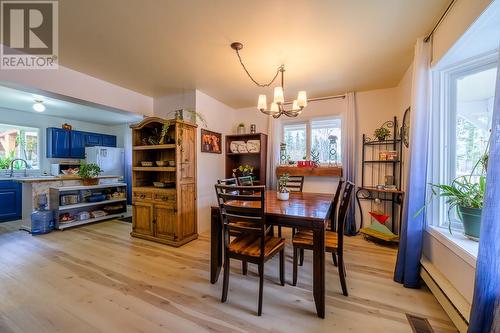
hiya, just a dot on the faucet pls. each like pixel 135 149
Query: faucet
pixel 12 167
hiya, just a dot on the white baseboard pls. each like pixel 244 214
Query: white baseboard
pixel 453 303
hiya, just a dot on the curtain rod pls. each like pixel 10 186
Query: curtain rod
pixel 426 39
pixel 321 98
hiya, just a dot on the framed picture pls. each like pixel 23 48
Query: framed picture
pixel 211 142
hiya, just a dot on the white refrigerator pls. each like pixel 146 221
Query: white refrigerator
pixel 110 160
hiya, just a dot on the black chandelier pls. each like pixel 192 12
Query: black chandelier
pixel 277 107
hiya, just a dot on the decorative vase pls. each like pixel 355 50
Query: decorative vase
pixel 283 196
pixel 90 181
pixel 241 130
pixel 471 218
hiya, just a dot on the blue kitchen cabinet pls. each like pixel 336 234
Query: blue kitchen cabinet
pixel 93 139
pixel 10 200
pixel 58 143
pixel 77 146
pixel 108 140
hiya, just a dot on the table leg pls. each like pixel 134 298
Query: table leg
pixel 319 271
pixel 215 245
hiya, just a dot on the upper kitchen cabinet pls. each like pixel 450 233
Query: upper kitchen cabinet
pixel 77 144
pixel 108 140
pixel 58 143
pixel 93 139
pixel 71 144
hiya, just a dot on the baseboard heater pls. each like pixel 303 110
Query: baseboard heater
pixel 455 306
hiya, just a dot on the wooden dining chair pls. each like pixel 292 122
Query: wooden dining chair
pixel 245 181
pixel 246 215
pixel 334 241
pixel 295 183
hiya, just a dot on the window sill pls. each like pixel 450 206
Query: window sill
pixel 459 244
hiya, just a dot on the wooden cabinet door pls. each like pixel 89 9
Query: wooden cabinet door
pixel 187 154
pixel 165 218
pixel 142 218
pixel 187 210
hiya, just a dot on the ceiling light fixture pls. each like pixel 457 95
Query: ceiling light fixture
pixel 38 106
pixel 277 107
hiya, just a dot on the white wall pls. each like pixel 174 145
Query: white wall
pixel 63 82
pixel 41 121
pixel 164 106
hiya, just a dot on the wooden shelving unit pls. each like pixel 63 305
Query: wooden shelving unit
pixel 165 215
pixel 256 160
pixel 84 205
pixel 309 171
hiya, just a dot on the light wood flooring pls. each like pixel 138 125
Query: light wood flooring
pixel 97 278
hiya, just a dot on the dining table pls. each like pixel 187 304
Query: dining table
pixel 302 210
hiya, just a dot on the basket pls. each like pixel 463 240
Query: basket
pixel 90 181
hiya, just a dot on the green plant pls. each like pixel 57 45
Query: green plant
pixel 89 170
pixel 5 161
pixel 196 116
pixel 382 133
pixel 245 170
pixel 283 182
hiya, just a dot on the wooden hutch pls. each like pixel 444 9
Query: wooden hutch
pixel 163 193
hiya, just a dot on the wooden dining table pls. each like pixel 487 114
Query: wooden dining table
pixel 303 210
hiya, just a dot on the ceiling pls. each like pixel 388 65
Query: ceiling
pixel 23 101
pixel 164 47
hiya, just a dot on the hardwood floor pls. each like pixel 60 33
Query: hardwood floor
pixel 97 278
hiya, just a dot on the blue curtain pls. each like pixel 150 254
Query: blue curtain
pixel 407 269
pixel 485 314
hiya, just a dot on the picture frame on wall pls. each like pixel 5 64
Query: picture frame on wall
pixel 211 142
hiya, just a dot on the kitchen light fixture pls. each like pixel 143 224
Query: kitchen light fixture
pixel 38 106
pixel 277 107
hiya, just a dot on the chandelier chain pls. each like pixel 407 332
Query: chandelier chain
pixel 280 69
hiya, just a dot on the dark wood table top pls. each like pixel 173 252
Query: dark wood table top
pixel 301 205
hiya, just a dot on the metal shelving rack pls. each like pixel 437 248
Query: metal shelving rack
pixel 378 169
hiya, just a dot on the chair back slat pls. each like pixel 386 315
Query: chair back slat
pixel 335 202
pixel 343 210
pixel 295 183
pixel 245 181
pixel 242 212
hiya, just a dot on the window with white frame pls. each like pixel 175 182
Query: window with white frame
pixel 461 123
pixel 18 142
pixel 302 138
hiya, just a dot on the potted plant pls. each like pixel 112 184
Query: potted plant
pixel 382 133
pixel 466 195
pixel 241 128
pixel 283 192
pixel 89 173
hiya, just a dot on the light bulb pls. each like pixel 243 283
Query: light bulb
pixel 295 105
pixel 38 106
pixel 262 103
pixel 278 95
pixel 302 99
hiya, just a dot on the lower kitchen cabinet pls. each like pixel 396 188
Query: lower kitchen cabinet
pixel 10 201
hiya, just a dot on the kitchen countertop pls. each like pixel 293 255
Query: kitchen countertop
pixel 39 179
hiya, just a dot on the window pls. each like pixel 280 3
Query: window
pixel 18 142
pixel 303 139
pixel 461 123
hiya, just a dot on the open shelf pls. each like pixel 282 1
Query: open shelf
pixel 91 187
pixel 62 226
pixel 378 161
pixel 169 169
pixel 90 204
pixel 385 142
pixel 374 189
pixel 155 147
pixel 239 154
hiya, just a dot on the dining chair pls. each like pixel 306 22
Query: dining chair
pixel 295 183
pixel 245 181
pixel 334 241
pixel 246 215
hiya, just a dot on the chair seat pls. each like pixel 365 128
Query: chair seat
pixel 305 238
pixel 249 245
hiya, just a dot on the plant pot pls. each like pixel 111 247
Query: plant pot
pixel 90 181
pixel 381 138
pixel 471 218
pixel 283 196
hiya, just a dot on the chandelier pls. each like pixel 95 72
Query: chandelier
pixel 277 107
